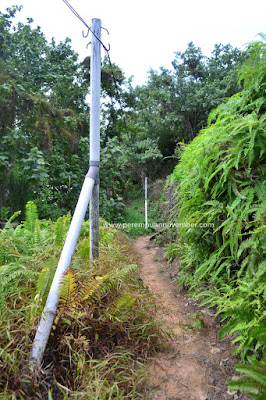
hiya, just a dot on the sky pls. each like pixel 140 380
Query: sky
pixel 145 34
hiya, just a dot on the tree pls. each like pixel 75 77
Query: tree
pixel 44 121
pixel 42 108
pixel 174 105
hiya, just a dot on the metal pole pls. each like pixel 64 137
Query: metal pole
pixel 95 133
pixel 146 204
pixel 49 311
pixel 89 192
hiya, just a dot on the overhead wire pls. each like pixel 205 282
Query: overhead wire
pixel 84 23
pixel 108 57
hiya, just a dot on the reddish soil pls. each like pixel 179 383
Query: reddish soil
pixel 196 365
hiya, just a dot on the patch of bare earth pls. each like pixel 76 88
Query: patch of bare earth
pixel 197 365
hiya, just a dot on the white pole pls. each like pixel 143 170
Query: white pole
pixel 95 133
pixel 146 204
pixel 90 190
pixel 50 308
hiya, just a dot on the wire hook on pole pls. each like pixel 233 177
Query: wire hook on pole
pixel 107 49
pixel 89 29
pixel 87 34
pixel 106 30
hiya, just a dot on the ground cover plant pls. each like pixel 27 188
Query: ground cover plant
pixel 220 192
pixel 104 329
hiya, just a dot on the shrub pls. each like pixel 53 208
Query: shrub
pixel 221 209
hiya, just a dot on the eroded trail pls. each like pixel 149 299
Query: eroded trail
pixel 197 364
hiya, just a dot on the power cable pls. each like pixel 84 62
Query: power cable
pixel 84 23
pixel 108 57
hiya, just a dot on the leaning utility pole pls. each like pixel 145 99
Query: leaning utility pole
pixel 89 193
pixel 95 81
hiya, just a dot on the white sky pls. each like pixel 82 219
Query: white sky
pixel 145 34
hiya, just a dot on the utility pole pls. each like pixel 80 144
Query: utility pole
pixel 146 204
pixel 95 81
pixel 89 193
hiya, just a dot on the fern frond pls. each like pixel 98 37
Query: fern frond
pixel 259 332
pixel 37 234
pixel 248 243
pixel 68 288
pixel 19 275
pixel 98 287
pixel 8 225
pixel 61 228
pixel 44 281
pixel 245 384
pixel 31 216
pixel 261 269
pixel 257 373
pixel 119 309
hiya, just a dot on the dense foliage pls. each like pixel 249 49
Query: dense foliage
pixel 44 122
pixel 220 192
pixel 44 118
pixel 177 102
pixel 220 181
pixel 104 328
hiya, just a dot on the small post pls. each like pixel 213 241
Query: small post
pixel 95 82
pixel 146 204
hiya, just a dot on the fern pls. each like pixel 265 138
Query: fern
pixel 98 301
pixel 37 239
pixel 31 216
pixel 254 381
pixel 61 228
pixel 120 308
pixel 8 224
pixel 44 281
pixel 68 288
pixel 220 179
pixel 111 282
pixel 96 288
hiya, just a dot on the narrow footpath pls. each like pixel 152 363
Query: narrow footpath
pixel 197 365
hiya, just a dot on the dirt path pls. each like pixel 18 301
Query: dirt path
pixel 197 365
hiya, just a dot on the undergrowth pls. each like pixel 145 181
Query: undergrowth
pixel 221 209
pixel 104 329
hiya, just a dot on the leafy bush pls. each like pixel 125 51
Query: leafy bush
pixel 221 209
